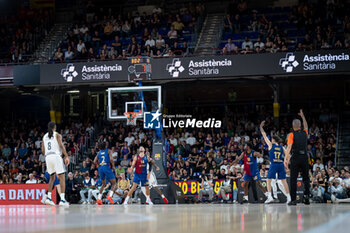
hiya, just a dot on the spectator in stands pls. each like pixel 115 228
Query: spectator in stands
pixel 58 55
pixel 157 9
pixel 126 29
pixel 68 55
pixel 317 192
pixel 228 23
pixel 178 25
pixel 112 54
pixel 89 185
pixel 71 188
pixel 125 162
pixel 206 188
pixel 6 152
pixel 307 42
pixel 80 46
pixel 247 42
pixel 229 47
pixel 172 35
pixel 150 42
pixel 318 165
pixel 259 44
pixel 246 50
pixel 32 179
pixel 96 40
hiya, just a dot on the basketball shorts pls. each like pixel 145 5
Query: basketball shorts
pixel 256 176
pixel 276 168
pixel 106 172
pixel 141 179
pixel 54 164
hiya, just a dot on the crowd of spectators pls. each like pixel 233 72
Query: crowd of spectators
pixel 200 154
pixel 21 34
pixel 100 34
pixel 309 26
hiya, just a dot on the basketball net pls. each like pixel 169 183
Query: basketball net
pixel 131 117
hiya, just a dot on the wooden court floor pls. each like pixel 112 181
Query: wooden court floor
pixel 316 218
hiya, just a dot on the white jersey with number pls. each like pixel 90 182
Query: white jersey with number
pixel 53 159
pixel 51 145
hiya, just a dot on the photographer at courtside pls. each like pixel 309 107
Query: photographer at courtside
pixel 296 154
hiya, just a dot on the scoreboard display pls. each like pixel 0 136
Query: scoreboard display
pixel 139 69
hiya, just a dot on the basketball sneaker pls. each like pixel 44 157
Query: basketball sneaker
pixel 49 202
pixel 165 200
pixel 269 200
pixel 109 198
pixel 64 203
pixel 99 202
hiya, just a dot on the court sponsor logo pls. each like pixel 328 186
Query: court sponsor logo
pixel 197 67
pixel 207 67
pixel 152 120
pixel 289 62
pixel 69 72
pixel 323 62
pixel 319 62
pixel 96 72
pixel 175 68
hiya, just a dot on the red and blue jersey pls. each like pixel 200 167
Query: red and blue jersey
pixel 250 164
pixel 141 165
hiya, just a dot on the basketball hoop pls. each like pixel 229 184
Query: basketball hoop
pixel 131 117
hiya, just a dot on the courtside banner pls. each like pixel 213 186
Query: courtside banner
pixel 283 63
pixel 84 72
pixel 31 194
pixel 194 67
pixel 191 188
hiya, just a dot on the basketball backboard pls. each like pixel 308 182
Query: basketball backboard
pixel 133 99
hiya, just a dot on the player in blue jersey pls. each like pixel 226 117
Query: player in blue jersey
pixel 140 163
pixel 276 156
pixel 104 159
pixel 56 184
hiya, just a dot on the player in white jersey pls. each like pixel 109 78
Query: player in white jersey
pixel 153 183
pixel 52 147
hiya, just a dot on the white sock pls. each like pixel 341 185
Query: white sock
pixel 99 196
pixel 45 197
pixel 274 188
pixel 127 199
pixel 268 194
pixel 110 193
pixel 62 196
pixel 288 197
pixel 148 198
pixel 49 195
pixel 281 186
pixel 162 195
pixel 245 198
pixel 143 189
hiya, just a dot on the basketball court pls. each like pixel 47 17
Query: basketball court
pixel 176 218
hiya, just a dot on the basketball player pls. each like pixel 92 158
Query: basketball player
pixel 276 156
pixel 152 179
pixel 140 162
pixel 52 148
pixel 56 184
pixel 251 170
pixel 104 159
